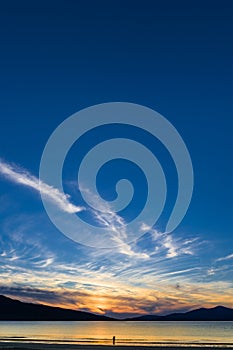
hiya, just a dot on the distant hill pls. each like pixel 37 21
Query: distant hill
pixel 14 310
pixel 218 313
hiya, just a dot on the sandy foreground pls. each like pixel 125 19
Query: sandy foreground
pixel 39 346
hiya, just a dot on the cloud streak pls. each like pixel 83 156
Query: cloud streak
pixel 105 281
pixel 228 257
pixel 110 220
pixel 21 176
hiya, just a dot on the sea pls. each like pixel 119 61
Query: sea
pixel 178 334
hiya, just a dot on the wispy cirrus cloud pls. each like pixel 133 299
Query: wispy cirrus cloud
pixel 224 258
pixel 21 176
pixel 110 281
pixel 167 244
pixel 107 217
pixel 164 243
pixel 104 281
pixel 91 291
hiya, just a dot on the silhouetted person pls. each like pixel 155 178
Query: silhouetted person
pixel 113 340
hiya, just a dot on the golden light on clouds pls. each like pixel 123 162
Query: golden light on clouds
pixel 106 297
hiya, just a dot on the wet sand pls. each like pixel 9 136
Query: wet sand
pixel 38 346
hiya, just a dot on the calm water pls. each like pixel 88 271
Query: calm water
pixel 127 333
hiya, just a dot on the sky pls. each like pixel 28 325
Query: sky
pixel 58 58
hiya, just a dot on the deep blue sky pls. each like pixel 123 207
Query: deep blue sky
pixel 175 57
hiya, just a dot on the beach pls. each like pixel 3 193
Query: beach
pixel 128 335
pixel 39 346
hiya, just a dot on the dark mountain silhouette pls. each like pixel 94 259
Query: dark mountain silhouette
pixel 14 310
pixel 218 313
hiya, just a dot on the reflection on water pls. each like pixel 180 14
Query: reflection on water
pixel 127 333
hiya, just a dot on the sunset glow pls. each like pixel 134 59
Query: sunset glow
pixel 148 90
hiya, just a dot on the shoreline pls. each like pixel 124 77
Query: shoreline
pixel 44 346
